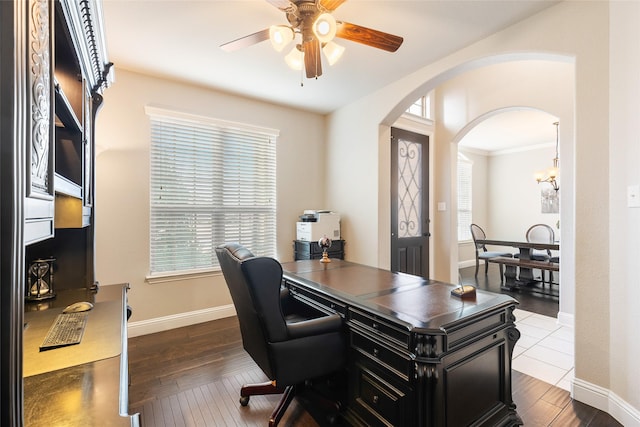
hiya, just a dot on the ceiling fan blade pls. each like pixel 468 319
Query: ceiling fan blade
pixel 312 60
pixel 331 5
pixel 280 4
pixel 245 41
pixel 369 37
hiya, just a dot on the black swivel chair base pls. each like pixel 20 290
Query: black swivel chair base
pixel 288 393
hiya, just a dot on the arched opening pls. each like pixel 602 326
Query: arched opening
pixel 467 95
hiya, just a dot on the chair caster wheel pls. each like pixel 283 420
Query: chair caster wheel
pixel 244 400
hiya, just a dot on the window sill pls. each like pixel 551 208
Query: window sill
pixel 179 276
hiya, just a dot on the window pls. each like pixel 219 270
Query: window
pixel 465 169
pixel 422 107
pixel 211 182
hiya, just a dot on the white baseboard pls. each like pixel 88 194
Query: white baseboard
pixel 565 319
pixel 607 401
pixel 468 263
pixel 166 323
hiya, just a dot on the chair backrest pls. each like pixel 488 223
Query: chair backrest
pixel 254 285
pixel 540 233
pixel 477 233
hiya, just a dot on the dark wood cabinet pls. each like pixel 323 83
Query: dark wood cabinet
pixel 34 82
pixel 417 355
pixel 311 250
pixel 76 76
pixel 54 68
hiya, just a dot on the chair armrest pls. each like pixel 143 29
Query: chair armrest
pixel 315 326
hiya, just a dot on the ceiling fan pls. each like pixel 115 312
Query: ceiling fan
pixel 312 19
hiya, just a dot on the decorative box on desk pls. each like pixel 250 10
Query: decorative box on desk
pixel 311 250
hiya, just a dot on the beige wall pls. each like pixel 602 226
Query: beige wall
pixel 515 201
pixel 122 187
pixel 623 347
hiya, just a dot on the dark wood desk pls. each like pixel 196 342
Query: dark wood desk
pixel 417 355
pixel 84 384
pixel 514 279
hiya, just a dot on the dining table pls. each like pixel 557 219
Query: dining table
pixel 518 271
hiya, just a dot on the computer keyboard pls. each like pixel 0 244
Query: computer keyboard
pixel 67 329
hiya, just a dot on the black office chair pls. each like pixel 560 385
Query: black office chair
pixel 288 340
pixel 477 233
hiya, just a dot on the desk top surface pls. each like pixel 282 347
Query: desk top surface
pixel 416 302
pixel 101 338
pixel 78 385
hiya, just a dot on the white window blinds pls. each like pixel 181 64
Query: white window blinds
pixel 465 169
pixel 211 182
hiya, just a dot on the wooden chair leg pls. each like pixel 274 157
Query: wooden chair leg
pixel 477 266
pixel 260 389
pixel 283 404
pixel 486 267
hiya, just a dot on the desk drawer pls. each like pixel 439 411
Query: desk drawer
pixel 393 332
pixel 389 359
pixel 316 299
pixel 376 401
pixel 476 329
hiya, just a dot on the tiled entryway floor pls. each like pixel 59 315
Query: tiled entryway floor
pixel 545 349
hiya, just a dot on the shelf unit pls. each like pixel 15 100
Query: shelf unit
pixel 74 78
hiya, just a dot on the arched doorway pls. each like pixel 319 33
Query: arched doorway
pixel 470 91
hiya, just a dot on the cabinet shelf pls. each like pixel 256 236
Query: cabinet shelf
pixel 67 187
pixel 64 110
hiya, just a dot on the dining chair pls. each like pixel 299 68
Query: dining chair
pixel 477 233
pixel 541 233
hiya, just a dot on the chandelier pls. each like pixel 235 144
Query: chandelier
pixel 552 173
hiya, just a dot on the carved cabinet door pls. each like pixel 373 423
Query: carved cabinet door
pixel 39 101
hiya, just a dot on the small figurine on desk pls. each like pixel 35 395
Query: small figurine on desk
pixel 464 291
pixel 325 244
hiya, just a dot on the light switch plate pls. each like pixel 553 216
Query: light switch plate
pixel 633 196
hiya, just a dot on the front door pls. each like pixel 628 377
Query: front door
pixel 409 202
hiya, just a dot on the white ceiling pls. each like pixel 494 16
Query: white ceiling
pixel 180 39
pixel 512 130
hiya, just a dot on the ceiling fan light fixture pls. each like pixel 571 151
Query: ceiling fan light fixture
pixel 295 59
pixel 333 52
pixel 324 27
pixel 280 36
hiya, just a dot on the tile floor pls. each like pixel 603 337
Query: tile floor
pixel 544 350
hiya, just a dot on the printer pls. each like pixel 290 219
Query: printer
pixel 316 224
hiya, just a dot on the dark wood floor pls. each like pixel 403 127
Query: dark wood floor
pixel 530 299
pixel 191 376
